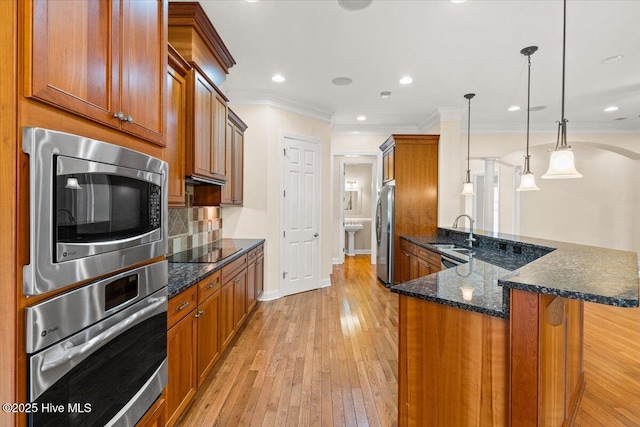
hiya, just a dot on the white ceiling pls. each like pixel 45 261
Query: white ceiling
pixel 449 50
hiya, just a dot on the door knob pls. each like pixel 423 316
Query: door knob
pixel 316 235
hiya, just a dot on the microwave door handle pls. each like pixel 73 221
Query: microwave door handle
pixel 97 341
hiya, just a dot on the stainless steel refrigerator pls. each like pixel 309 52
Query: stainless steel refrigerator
pixel 384 234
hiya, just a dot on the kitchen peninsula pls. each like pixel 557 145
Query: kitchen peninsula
pixel 497 340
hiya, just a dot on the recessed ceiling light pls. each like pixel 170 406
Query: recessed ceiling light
pixel 251 1
pixel 538 108
pixel 458 1
pixel 611 59
pixel 385 94
pixel 361 118
pixel 610 109
pixel 513 108
pixel 278 78
pixel 354 4
pixel 342 81
pixel 406 80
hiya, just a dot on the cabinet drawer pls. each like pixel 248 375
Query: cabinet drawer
pixel 404 245
pixel 230 270
pixel 181 305
pixel 252 256
pixel 260 250
pixel 429 256
pixel 208 286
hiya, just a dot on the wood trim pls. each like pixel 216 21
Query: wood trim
pixel 237 121
pixel 524 358
pixel 191 14
pixel 177 62
pixel 8 212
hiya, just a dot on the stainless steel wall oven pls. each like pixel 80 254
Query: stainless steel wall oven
pixel 94 208
pixel 97 355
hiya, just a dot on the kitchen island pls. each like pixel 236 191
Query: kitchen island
pixel 509 350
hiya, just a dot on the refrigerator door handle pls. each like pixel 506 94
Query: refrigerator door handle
pixel 379 220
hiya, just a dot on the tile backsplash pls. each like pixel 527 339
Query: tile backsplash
pixel 192 226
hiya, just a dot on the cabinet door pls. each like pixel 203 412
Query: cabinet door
pixel 388 165
pixel 405 258
pixel 413 267
pixel 237 167
pixel 155 416
pixel 252 275
pixel 424 268
pixel 208 336
pixel 219 148
pixel 174 153
pixel 226 314
pixel 240 298
pixel 259 276
pixel 144 62
pixel 74 59
pixel 201 112
pixel 227 190
pixel 181 357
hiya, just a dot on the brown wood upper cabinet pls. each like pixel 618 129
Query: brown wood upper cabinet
pixel 176 121
pixel 104 60
pixel 206 130
pixel 232 193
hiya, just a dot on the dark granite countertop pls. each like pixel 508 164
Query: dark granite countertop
pixel 183 275
pixel 500 262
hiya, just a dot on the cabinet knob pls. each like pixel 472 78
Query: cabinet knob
pixel 199 313
pixel 236 280
pixel 119 115
pixel 130 119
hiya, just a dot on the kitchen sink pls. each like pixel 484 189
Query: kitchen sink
pixel 443 245
pixel 461 250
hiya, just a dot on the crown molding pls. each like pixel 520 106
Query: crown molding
pixel 295 105
pixel 362 129
pixel 573 128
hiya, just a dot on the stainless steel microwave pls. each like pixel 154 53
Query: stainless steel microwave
pixel 94 208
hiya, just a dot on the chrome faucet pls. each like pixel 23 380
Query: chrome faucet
pixel 470 239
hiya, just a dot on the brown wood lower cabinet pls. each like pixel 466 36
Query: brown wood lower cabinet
pixel 202 321
pixel 155 416
pixel 416 261
pixel 182 358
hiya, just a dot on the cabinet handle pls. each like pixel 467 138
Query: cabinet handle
pixel 211 285
pixel 199 313
pixel 183 306
pixel 236 280
pixel 129 119
pixel 258 262
pixel 119 115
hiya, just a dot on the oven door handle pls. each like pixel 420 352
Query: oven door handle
pixel 97 341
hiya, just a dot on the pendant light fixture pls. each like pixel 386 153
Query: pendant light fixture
pixel 467 186
pixel 562 163
pixel 527 179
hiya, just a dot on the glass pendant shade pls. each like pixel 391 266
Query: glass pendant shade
pixel 562 166
pixel 528 182
pixel 72 184
pixel 467 189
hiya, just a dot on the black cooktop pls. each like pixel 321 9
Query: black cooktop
pixel 213 252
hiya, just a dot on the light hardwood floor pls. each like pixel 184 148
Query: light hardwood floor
pixel 329 357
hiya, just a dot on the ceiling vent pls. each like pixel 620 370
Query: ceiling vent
pixel 354 4
pixel 385 94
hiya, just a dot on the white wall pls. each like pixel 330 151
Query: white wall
pixel 260 216
pixel 601 209
pixel 362 174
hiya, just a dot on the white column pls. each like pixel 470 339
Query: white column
pixel 487 203
pixel 517 170
pixel 451 165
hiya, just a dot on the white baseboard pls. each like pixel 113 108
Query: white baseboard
pixel 325 282
pixel 363 251
pixel 336 261
pixel 270 295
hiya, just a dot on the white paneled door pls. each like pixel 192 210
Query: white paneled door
pixel 301 215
